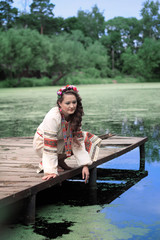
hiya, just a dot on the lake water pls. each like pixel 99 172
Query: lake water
pixel 125 208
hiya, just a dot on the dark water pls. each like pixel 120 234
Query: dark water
pixel 127 202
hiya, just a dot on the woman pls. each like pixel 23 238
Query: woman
pixel 59 136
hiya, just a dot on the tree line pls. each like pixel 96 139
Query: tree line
pixel 37 44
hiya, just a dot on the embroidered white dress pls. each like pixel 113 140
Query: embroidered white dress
pixel 49 142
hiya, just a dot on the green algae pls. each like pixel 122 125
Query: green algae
pixel 89 223
pixel 104 106
pixel 83 223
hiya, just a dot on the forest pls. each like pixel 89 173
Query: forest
pixel 37 48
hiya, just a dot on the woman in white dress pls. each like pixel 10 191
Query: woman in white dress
pixel 60 135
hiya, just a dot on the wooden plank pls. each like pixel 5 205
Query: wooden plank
pixel 19 178
pixel 14 189
pixel 5 194
pixel 119 153
pixel 18 173
pixel 118 142
pixel 109 151
pixel 7 170
pixel 13 145
pixel 19 160
pixel 39 187
pixel 18 163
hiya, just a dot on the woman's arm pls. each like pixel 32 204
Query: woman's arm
pixel 50 157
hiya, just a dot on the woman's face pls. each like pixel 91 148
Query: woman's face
pixel 68 105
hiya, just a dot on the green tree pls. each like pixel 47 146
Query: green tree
pixel 70 56
pixel 78 35
pixel 112 44
pixel 132 64
pixel 24 51
pixel 96 58
pixel 150 54
pixel 67 56
pixel 7 14
pixel 92 24
pixel 151 19
pixel 121 33
pixel 52 25
pixel 70 24
pixel 43 10
pixel 28 20
pixel 131 33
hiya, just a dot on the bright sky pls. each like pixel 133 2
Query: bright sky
pixel 111 8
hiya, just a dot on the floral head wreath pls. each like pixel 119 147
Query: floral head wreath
pixel 62 90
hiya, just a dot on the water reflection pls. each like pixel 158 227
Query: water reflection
pixel 129 128
pixel 111 183
pixel 125 179
pixel 138 127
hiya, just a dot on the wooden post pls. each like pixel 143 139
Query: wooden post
pixel 142 157
pixel 93 178
pixel 93 186
pixel 30 210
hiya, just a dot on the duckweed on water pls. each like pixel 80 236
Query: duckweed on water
pixel 74 223
pixel 89 223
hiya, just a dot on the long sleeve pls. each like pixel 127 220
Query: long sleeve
pixel 80 153
pixel 50 158
pixel 88 152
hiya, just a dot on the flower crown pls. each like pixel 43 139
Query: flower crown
pixel 62 90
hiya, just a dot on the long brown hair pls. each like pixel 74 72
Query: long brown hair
pixel 75 118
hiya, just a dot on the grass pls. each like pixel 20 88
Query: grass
pixel 75 80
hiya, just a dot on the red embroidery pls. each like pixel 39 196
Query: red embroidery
pixel 87 142
pixel 50 143
pixel 66 125
pixel 40 134
pixel 89 135
pixel 79 134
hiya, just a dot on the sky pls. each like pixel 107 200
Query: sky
pixel 110 8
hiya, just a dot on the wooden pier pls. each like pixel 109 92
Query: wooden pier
pixel 19 181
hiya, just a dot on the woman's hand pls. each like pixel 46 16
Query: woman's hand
pixel 85 173
pixel 48 176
